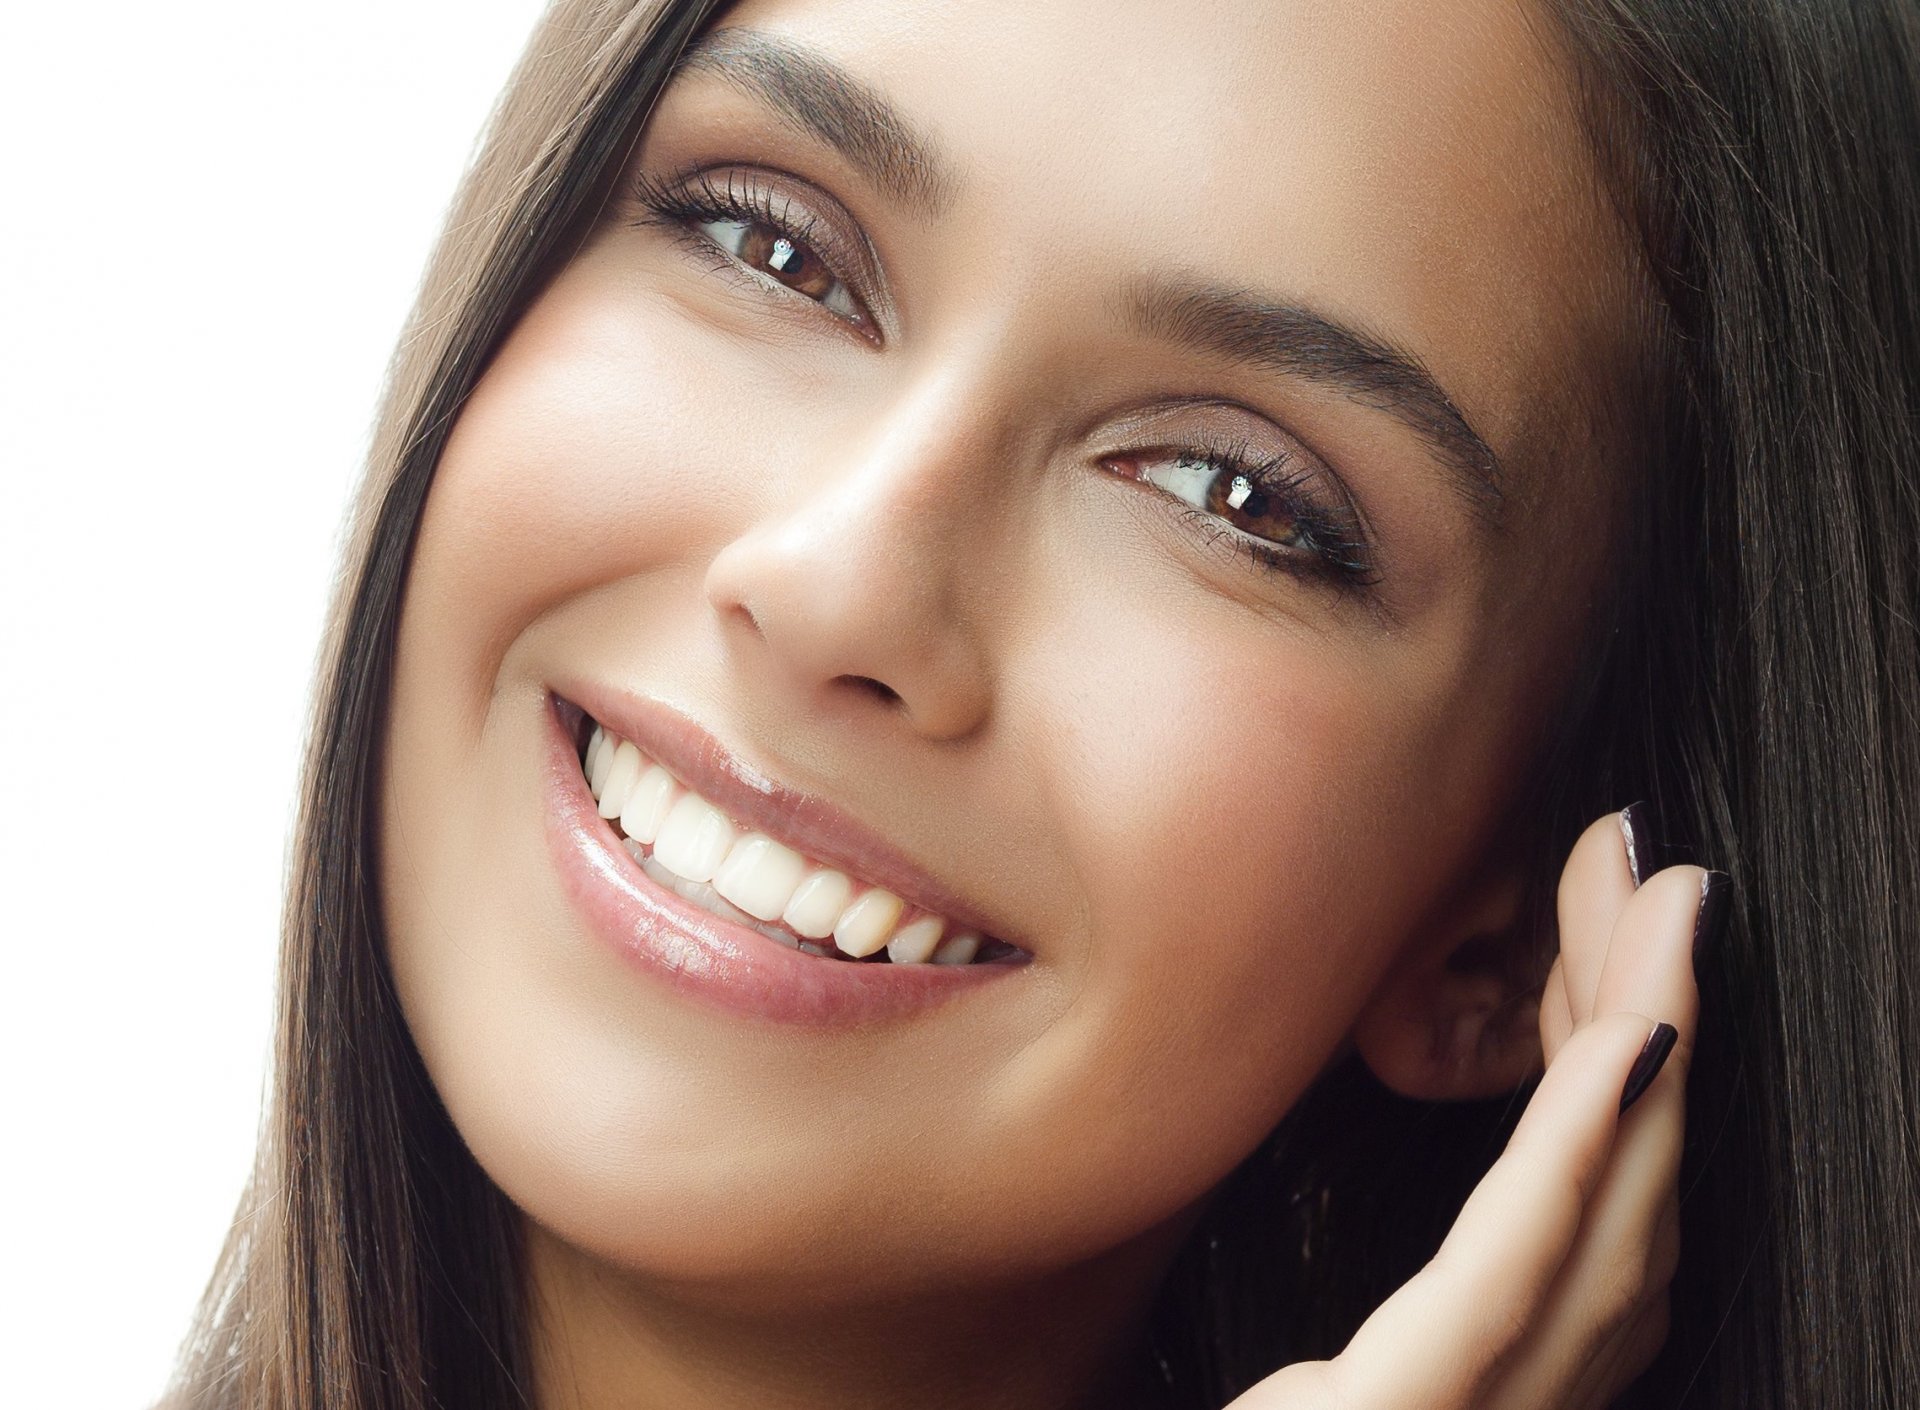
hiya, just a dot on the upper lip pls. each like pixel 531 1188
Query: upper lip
pixel 804 821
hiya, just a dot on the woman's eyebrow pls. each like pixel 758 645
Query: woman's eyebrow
pixel 1296 341
pixel 825 101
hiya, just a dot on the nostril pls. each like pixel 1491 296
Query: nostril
pixel 880 689
pixel 745 613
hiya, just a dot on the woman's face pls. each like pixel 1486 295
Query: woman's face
pixel 1154 490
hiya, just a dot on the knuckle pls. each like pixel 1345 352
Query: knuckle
pixel 1622 1289
pixel 1501 1308
pixel 1568 1177
pixel 1505 1322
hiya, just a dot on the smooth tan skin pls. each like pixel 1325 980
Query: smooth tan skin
pixel 1245 820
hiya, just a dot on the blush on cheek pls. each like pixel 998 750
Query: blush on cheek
pixel 599 442
pixel 1244 801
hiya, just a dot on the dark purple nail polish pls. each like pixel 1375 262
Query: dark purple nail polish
pixel 1639 839
pixel 1715 891
pixel 1653 1056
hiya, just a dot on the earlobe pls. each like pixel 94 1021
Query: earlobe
pixel 1455 1019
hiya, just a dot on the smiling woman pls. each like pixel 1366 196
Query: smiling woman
pixel 953 756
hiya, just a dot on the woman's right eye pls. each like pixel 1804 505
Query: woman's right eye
pixel 758 233
pixel 766 249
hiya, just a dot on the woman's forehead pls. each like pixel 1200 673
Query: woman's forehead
pixel 1414 169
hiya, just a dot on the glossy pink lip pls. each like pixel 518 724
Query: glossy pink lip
pixel 716 961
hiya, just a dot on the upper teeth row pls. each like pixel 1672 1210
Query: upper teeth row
pixel 697 843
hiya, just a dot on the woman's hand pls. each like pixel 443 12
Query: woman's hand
pixel 1550 1292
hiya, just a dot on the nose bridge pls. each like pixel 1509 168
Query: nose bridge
pixel 943 444
pixel 870 562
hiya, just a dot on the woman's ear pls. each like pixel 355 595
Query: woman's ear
pixel 1457 1018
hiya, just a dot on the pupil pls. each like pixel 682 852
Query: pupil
pixel 1240 496
pixel 784 255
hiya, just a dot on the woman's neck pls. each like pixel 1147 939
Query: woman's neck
pixel 604 1340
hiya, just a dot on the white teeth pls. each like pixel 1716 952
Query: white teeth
pixel 697 892
pixel 647 805
pixel 694 839
pixel 759 876
pixel 957 949
pixel 865 925
pixel 597 764
pixel 621 776
pixel 750 878
pixel 817 903
pixel 914 943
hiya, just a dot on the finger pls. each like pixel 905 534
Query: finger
pixel 1626 1252
pixel 1594 886
pixel 1648 964
pixel 1444 1336
pixel 1628 1242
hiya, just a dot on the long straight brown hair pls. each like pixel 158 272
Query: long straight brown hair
pixel 1761 687
pixel 372 1263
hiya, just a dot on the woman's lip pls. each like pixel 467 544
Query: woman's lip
pixel 803 821
pixel 714 960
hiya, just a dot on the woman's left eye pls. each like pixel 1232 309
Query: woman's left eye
pixel 1230 493
pixel 1266 506
pixel 767 249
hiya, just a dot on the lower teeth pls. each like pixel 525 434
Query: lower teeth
pixel 704 896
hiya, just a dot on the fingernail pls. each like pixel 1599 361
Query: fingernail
pixel 1635 828
pixel 1653 1056
pixel 1715 890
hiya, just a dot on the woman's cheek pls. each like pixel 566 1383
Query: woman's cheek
pixel 608 436
pixel 1233 795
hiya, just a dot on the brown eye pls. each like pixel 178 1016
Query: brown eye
pixel 1286 513
pixel 1235 497
pixel 787 260
pixel 777 255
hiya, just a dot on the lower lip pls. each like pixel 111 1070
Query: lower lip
pixel 709 959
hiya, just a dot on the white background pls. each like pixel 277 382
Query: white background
pixel 213 215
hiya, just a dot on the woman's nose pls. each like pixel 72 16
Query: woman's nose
pixel 862 584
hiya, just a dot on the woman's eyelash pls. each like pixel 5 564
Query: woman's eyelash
pixel 682 207
pixel 1329 543
pixel 703 198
